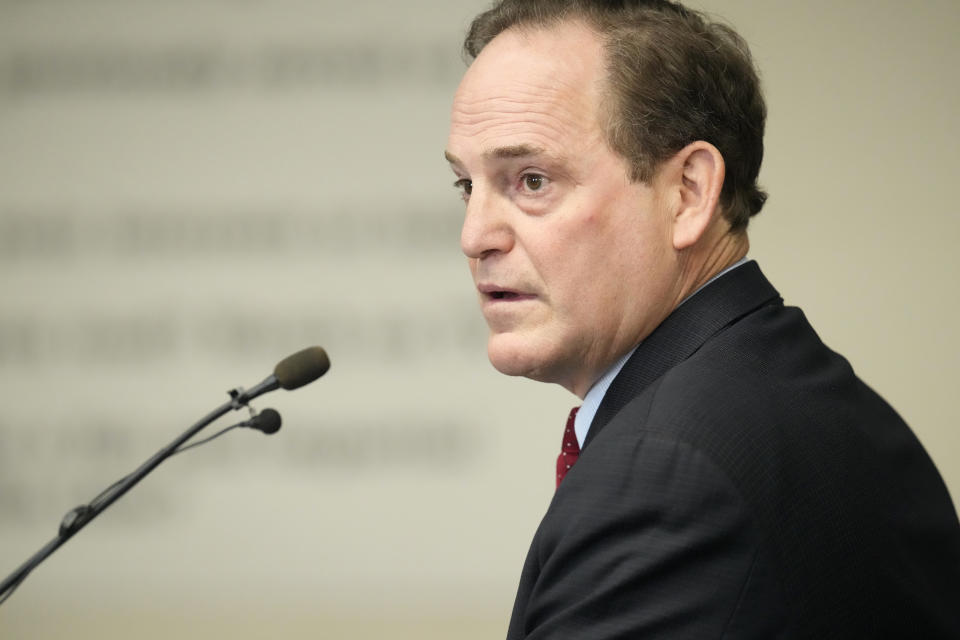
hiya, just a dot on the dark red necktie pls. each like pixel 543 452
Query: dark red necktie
pixel 571 448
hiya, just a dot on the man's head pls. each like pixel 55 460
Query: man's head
pixel 578 246
pixel 671 77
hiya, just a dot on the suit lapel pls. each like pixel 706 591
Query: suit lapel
pixel 717 305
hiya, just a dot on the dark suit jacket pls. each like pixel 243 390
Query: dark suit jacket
pixel 739 481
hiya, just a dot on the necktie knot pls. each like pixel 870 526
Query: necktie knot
pixel 570 449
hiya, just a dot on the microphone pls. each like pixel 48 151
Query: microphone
pixel 292 372
pixel 301 368
pixel 267 421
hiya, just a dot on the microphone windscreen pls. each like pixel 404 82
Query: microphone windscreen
pixel 267 421
pixel 302 368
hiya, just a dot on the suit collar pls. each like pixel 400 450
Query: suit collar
pixel 682 333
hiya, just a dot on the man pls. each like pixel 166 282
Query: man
pixel 733 479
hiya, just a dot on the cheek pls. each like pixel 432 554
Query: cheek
pixel 606 266
pixel 576 272
pixel 571 254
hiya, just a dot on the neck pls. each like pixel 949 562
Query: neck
pixel 703 261
pixel 716 251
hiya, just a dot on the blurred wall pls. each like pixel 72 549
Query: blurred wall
pixel 189 191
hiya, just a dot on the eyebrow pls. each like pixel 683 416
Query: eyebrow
pixel 516 151
pixel 502 153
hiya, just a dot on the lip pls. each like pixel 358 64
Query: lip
pixel 495 293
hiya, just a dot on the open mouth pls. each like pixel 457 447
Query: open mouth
pixel 493 293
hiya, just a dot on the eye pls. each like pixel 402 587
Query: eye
pixel 533 181
pixel 465 186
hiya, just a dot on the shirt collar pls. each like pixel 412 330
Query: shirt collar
pixel 591 401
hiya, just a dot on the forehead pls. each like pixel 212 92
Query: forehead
pixel 533 88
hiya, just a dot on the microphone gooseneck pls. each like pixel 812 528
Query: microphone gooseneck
pixel 292 372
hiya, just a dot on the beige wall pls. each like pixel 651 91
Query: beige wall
pixel 191 190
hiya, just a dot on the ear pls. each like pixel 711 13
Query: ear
pixel 698 179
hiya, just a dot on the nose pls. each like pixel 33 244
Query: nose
pixel 486 227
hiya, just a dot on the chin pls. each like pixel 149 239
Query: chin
pixel 514 356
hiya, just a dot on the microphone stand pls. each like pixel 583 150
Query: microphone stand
pixel 78 517
pixel 292 372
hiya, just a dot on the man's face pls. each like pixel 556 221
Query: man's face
pixel 572 261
